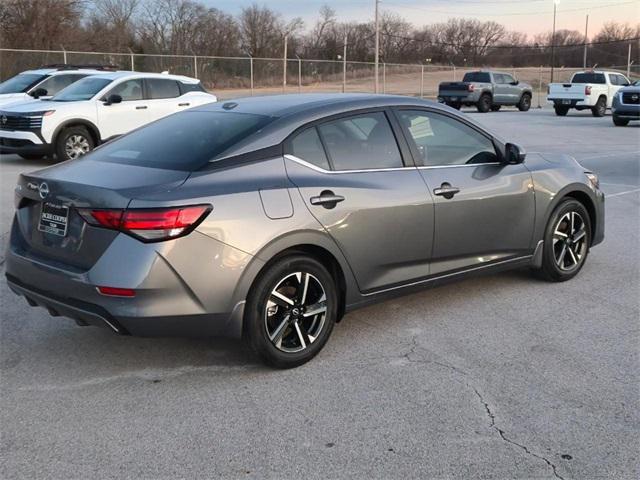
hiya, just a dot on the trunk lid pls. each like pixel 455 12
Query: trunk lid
pixel 71 243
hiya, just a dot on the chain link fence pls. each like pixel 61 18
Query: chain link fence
pixel 233 77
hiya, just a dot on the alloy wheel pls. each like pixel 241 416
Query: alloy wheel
pixel 570 241
pixel 76 146
pixel 295 312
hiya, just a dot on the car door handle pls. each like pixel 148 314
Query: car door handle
pixel 184 104
pixel 141 107
pixel 327 199
pixel 446 190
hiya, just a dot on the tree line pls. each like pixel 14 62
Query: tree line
pixel 187 27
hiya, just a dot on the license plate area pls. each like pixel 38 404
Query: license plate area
pixel 54 219
pixel 566 102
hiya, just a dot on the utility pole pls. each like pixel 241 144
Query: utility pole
pixel 284 64
pixel 629 62
pixel 377 55
pixel 586 29
pixel 344 64
pixel 553 38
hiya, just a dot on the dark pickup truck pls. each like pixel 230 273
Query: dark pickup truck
pixel 487 91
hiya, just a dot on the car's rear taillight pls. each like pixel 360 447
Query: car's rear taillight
pixel 149 225
pixel 587 90
pixel 471 87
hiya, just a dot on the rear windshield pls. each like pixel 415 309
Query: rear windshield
pixel 185 141
pixel 480 77
pixel 589 78
pixel 21 83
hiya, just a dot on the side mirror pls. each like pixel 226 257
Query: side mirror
pixel 113 98
pixel 515 82
pixel 39 92
pixel 514 154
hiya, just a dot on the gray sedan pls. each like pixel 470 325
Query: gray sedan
pixel 270 218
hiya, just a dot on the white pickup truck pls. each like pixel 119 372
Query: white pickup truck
pixel 591 89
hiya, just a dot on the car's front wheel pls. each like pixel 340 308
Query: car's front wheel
pixel 291 311
pixel 566 241
pixel 73 142
pixel 620 122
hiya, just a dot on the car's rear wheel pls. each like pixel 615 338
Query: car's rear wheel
pixel 561 111
pixel 566 242
pixel 525 102
pixel 600 107
pixel 620 122
pixel 495 108
pixel 291 311
pixel 73 142
pixel 484 103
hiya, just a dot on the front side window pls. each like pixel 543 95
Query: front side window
pixel 129 90
pixel 507 78
pixel 441 140
pixel 361 142
pixel 21 83
pixel 307 146
pixel 84 89
pixel 56 83
pixel 162 88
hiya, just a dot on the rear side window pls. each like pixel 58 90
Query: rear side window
pixel 480 77
pixel 361 142
pixel 307 146
pixel 185 141
pixel 587 77
pixel 162 88
pixel 190 87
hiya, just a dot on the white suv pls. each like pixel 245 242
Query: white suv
pixel 45 82
pixel 94 110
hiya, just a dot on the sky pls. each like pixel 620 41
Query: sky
pixel 527 16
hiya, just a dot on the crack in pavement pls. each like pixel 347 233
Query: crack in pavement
pixel 413 353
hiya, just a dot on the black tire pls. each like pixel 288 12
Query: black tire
pixel 484 103
pixel 85 142
pixel 495 108
pixel 554 243
pixel 31 156
pixel 260 324
pixel 525 102
pixel 561 110
pixel 620 122
pixel 600 107
pixel 454 105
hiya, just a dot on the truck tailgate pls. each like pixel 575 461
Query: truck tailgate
pixel 566 91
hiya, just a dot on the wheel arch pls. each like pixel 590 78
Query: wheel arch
pixel 580 193
pixel 91 127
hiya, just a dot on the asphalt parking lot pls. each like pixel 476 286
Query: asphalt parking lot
pixel 500 377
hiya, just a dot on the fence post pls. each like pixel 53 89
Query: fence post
pixel 539 86
pixel 299 74
pixel 629 62
pixel 344 65
pixel 195 67
pixel 284 65
pixel 251 73
pixel 421 81
pixel 133 67
pixel 384 78
pixel 454 73
pixel 64 54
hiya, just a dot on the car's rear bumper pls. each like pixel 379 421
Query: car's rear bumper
pixel 569 102
pixel 457 97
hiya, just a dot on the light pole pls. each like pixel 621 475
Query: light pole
pixel 377 54
pixel 553 38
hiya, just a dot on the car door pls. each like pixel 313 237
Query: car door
pixel 500 89
pixel 484 209
pixel 119 118
pixel 513 91
pixel 164 97
pixel 352 175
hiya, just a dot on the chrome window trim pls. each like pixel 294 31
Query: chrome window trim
pixel 322 170
pixel 429 167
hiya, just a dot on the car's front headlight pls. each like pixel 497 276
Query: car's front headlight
pixel 593 179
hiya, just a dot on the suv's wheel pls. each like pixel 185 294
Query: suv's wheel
pixel 495 108
pixel 620 122
pixel 600 107
pixel 561 110
pixel 484 103
pixel 525 102
pixel 291 311
pixel 73 142
pixel 566 241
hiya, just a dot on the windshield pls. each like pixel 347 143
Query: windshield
pixel 185 141
pixel 589 78
pixel 83 89
pixel 21 83
pixel 480 77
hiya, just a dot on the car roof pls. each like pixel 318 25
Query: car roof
pixel 58 71
pixel 129 74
